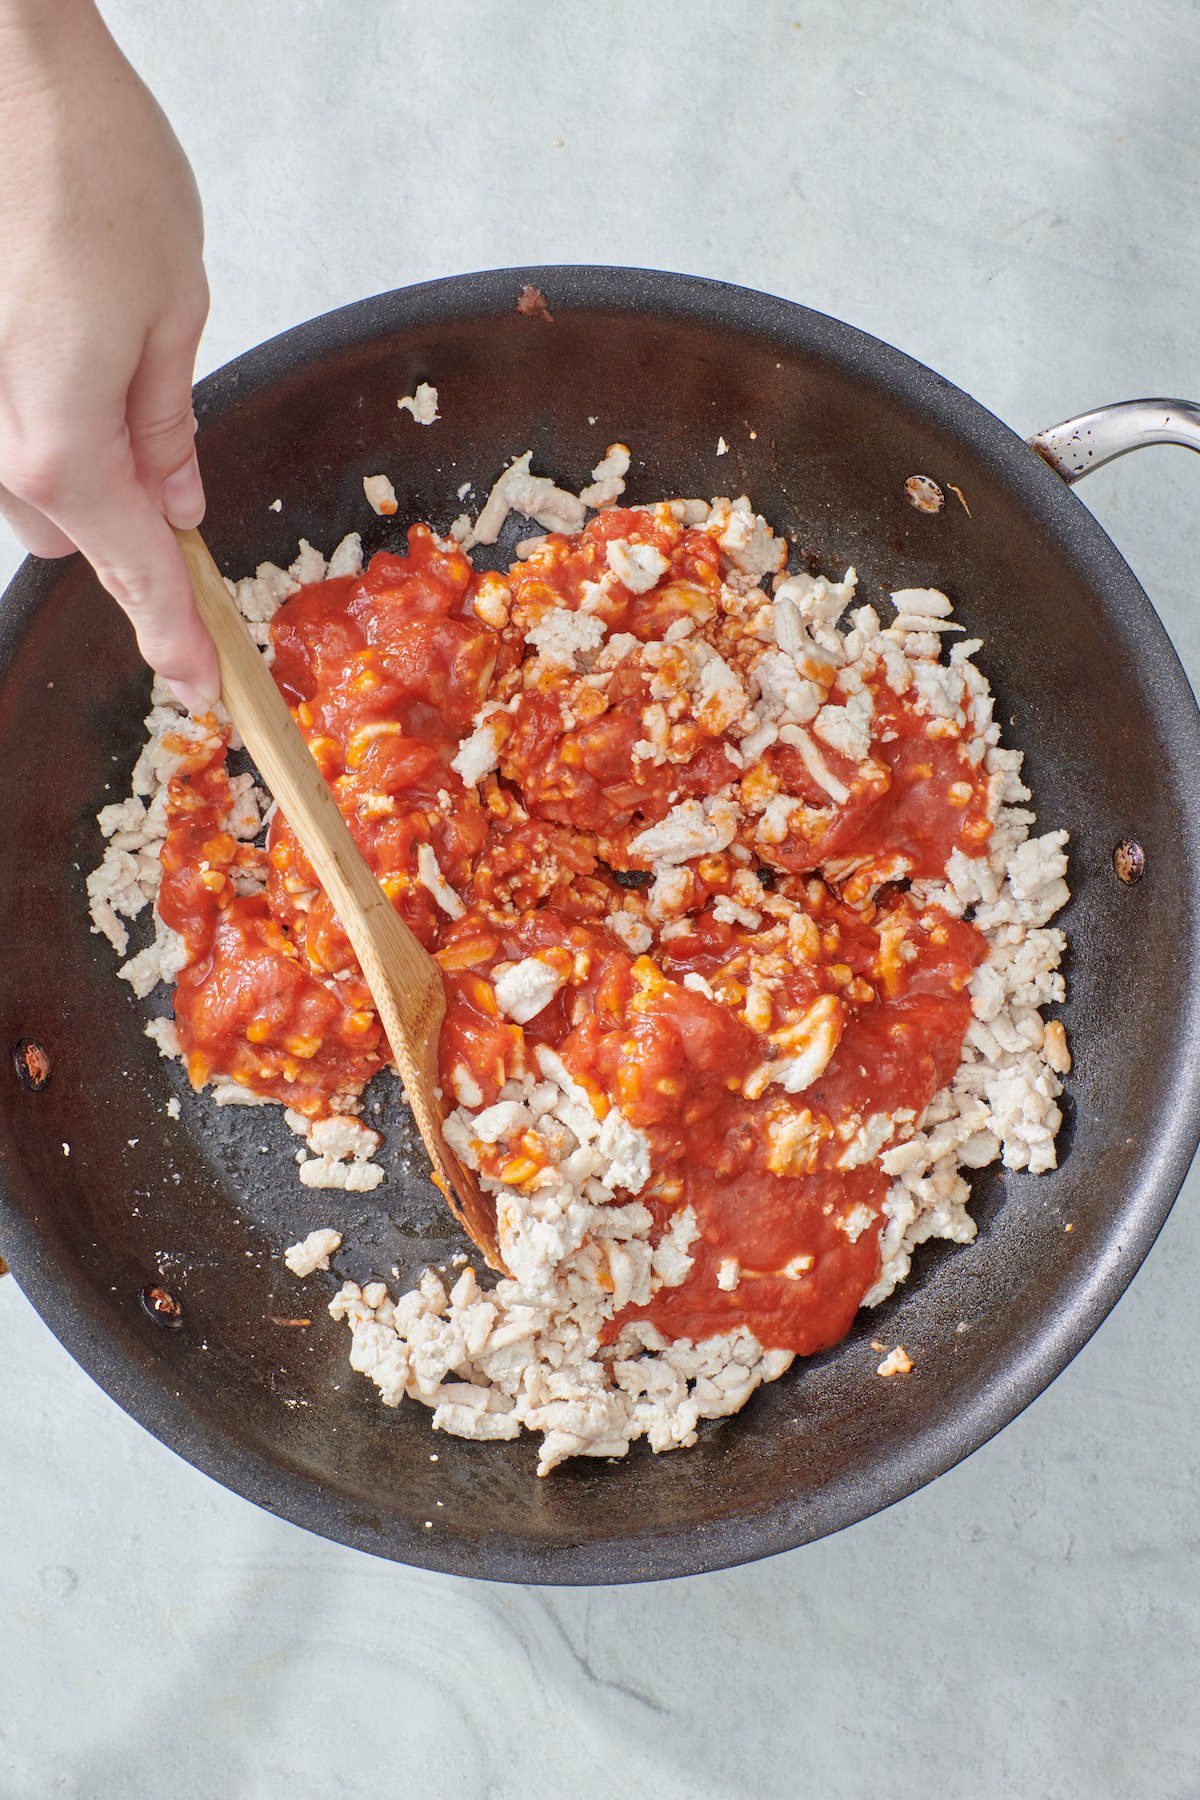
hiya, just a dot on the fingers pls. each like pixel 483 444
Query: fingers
pixel 34 529
pixel 98 503
pixel 183 496
pixel 104 484
pixel 134 553
pixel 121 531
pixel 162 425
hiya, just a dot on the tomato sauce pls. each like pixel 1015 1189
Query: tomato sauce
pixel 801 1210
pixel 386 672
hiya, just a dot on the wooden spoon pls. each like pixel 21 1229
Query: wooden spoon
pixel 405 981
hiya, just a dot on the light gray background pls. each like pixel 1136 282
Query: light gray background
pixel 1011 193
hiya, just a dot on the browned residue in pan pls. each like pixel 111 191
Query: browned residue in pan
pixel 33 1065
pixel 923 492
pixel 532 302
pixel 162 1305
pixel 1129 861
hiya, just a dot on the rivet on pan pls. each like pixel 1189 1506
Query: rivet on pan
pixel 1129 860
pixel 923 492
pixel 162 1306
pixel 32 1064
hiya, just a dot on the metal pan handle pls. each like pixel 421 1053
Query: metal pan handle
pixel 1077 446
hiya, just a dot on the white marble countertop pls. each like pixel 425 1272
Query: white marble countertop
pixel 1013 195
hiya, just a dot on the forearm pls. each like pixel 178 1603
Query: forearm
pixel 44 46
pixel 101 307
pixel 65 89
pixel 36 36
pixel 40 21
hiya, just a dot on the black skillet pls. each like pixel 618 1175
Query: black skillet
pixel 824 425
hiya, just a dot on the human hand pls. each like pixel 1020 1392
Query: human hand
pixel 103 299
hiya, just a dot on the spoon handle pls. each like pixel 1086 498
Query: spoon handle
pixel 278 749
pixel 405 981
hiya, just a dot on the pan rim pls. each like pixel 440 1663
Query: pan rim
pixel 934 1447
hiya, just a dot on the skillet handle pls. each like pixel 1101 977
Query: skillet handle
pixel 1077 446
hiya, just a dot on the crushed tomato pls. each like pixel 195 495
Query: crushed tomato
pixel 386 673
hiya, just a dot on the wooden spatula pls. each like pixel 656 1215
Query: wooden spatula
pixel 405 981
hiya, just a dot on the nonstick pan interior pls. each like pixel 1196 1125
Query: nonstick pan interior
pixel 105 1195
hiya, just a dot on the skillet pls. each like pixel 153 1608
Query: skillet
pixel 202 1207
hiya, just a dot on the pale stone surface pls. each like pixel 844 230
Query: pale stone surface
pixel 1011 194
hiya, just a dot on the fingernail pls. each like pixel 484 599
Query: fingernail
pixel 192 698
pixel 183 496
